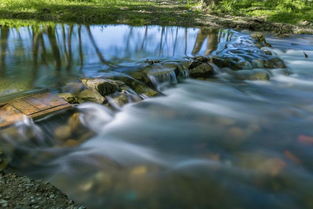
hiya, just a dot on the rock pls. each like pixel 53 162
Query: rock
pixel 142 76
pixel 228 62
pixel 119 101
pixel 89 95
pixel 139 87
pixel 219 62
pixel 203 70
pixel 260 39
pixel 274 62
pixel 103 86
pixel 62 132
pixel 151 62
pixel 69 97
pixel 74 122
pixel 256 74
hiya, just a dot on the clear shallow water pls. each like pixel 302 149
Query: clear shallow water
pixel 222 143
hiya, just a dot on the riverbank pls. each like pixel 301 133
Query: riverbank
pixel 138 12
pixel 22 192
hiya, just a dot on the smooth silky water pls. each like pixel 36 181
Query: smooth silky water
pixel 219 143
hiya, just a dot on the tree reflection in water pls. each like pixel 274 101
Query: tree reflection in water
pixel 47 55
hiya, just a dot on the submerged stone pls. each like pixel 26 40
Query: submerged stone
pixel 256 74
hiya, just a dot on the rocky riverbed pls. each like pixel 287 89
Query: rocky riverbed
pixel 22 192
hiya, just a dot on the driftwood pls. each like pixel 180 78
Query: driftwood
pixel 33 106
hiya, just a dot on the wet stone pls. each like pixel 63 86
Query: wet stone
pixel 256 74
pixel 260 39
pixel 90 95
pixel 103 86
pixel 69 97
pixel 274 62
pixel 203 70
pixel 223 62
pixel 139 87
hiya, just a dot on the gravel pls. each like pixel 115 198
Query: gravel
pixel 20 192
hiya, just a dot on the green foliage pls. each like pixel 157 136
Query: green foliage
pixel 290 11
pixel 134 12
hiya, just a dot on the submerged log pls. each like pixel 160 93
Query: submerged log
pixel 33 106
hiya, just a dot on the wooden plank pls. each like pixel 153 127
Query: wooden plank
pixel 24 107
pixel 33 106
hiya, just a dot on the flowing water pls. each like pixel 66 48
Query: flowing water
pixel 217 143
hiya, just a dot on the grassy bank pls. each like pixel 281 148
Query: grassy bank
pixel 163 12
pixel 135 12
pixel 284 11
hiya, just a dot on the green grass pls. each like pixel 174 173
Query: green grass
pixel 141 12
pixel 285 11
pixel 134 12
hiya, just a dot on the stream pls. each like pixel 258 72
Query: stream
pixel 239 139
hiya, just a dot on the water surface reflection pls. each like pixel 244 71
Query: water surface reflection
pixel 48 56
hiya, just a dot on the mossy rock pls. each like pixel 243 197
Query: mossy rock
pixel 203 71
pixel 137 86
pixel 90 95
pixel 69 97
pixel 260 40
pixel 103 86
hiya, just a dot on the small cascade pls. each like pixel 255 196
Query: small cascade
pixel 95 116
pixel 162 78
